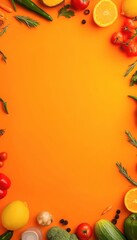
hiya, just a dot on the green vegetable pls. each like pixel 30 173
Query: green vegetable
pixel 57 233
pixel 66 12
pixel 105 230
pixel 7 235
pixel 133 79
pixel 130 227
pixel 33 7
pixel 28 21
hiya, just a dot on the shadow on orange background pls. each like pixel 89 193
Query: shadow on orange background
pixel 68 111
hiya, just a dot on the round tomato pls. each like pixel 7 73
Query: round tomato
pixel 80 4
pixel 3 156
pixel 117 38
pixel 130 48
pixel 84 231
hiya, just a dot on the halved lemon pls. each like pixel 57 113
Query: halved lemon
pixel 130 200
pixel 105 13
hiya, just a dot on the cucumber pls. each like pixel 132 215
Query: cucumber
pixel 105 230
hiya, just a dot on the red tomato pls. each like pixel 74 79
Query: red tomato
pixel 1 164
pixel 130 48
pixel 3 156
pixel 117 38
pixel 4 182
pixel 128 25
pixel 3 193
pixel 79 4
pixel 84 231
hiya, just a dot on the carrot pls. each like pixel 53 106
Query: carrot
pixel 5 7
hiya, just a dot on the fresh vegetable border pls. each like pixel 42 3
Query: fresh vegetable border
pixel 81 229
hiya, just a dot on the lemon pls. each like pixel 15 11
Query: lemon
pixel 129 8
pixel 15 215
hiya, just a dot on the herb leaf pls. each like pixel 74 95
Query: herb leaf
pixel 3 30
pixel 131 139
pixel 14 5
pixel 133 79
pixel 130 68
pixel 28 21
pixel 124 172
pixel 4 105
pixel 66 12
pixel 4 58
pixel 2 131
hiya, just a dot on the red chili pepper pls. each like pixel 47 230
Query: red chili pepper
pixel 4 182
pixel 2 193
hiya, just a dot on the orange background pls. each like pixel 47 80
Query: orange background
pixel 68 112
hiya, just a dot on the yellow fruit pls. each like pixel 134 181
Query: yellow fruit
pixel 52 3
pixel 15 215
pixel 105 13
pixel 129 8
pixel 130 200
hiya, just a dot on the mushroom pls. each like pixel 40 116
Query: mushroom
pixel 44 218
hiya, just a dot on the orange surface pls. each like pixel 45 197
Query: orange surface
pixel 68 111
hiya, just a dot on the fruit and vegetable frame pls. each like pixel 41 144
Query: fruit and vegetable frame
pixel 68 124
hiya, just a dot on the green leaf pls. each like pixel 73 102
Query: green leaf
pixel 124 172
pixel 4 58
pixel 3 30
pixel 133 79
pixel 131 139
pixel 14 5
pixel 4 105
pixel 66 11
pixel 28 21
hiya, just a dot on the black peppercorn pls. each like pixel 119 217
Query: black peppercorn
pixel 114 221
pixel 68 229
pixel 65 222
pixel 62 221
pixel 86 11
pixel 83 21
pixel 117 216
pixel 118 211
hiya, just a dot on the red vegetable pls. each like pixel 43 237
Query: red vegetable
pixel 2 193
pixel 84 231
pixel 117 38
pixel 4 182
pixel 80 4
pixel 3 156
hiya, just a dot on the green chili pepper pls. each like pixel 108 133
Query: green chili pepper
pixel 7 235
pixel 33 7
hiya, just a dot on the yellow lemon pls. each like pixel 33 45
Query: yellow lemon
pixel 129 8
pixel 15 215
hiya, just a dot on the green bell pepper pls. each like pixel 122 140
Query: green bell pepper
pixel 130 227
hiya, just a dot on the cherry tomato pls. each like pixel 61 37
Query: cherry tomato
pixel 130 48
pixel 117 38
pixel 3 156
pixel 3 193
pixel 128 25
pixel 80 4
pixel 4 182
pixel 84 231
pixel 1 164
